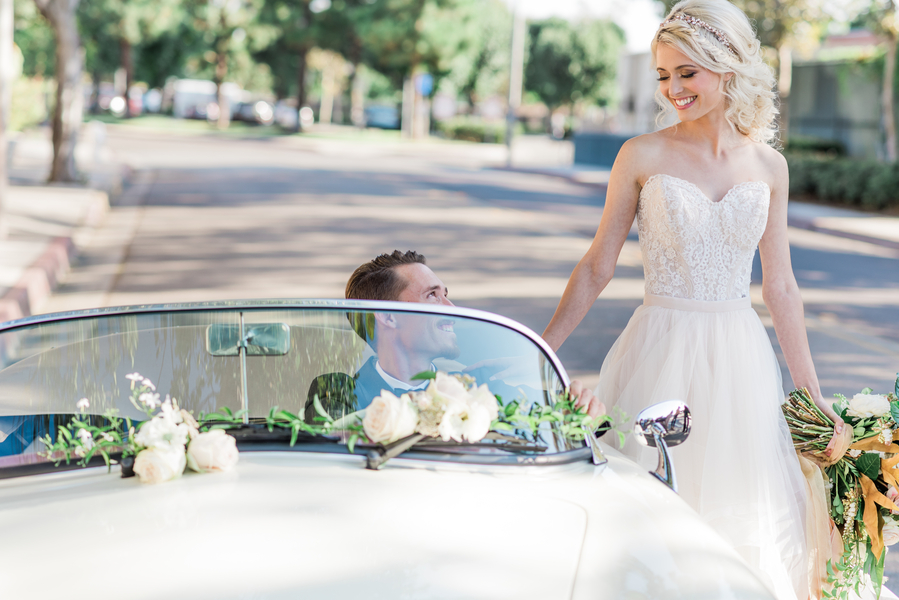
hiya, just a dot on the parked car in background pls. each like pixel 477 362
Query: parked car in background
pixel 259 112
pixel 518 515
pixel 286 113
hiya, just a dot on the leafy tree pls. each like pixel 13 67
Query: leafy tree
pixel 232 30
pixel 569 64
pixel 114 28
pixel 481 67
pixel 34 37
pixel 67 112
pixel 302 26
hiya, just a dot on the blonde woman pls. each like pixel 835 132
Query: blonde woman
pixel 706 193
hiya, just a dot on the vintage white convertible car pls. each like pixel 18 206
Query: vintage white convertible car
pixel 556 518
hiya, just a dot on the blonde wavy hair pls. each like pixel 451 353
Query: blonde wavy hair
pixel 749 93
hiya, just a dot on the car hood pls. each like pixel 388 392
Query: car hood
pixel 289 523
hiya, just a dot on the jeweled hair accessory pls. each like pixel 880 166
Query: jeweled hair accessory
pixel 695 22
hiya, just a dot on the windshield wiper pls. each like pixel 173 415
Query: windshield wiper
pixel 255 433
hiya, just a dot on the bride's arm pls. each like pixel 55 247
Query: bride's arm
pixel 595 269
pixel 781 294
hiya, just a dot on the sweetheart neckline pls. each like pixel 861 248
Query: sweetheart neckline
pixel 698 189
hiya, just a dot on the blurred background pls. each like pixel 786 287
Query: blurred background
pixel 476 70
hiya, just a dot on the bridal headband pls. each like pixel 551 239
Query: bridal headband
pixel 695 22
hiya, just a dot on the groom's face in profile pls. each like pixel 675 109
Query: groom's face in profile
pixel 430 335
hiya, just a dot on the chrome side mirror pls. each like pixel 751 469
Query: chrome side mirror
pixel 663 425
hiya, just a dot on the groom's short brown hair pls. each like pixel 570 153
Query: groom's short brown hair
pixel 378 279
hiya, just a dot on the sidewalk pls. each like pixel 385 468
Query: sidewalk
pixel 832 220
pixel 47 223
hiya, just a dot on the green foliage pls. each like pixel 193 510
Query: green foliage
pixel 34 37
pixel 481 66
pixel 869 464
pixel 472 129
pixel 569 64
pixel 864 183
pixel 798 144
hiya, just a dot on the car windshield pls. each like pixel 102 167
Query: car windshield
pixel 257 356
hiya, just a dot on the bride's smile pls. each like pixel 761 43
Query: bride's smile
pixel 693 90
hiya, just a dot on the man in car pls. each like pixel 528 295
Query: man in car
pixel 407 344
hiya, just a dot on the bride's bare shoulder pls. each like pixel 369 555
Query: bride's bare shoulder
pixel 773 164
pixel 640 153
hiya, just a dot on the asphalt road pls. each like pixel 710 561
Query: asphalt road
pixel 211 217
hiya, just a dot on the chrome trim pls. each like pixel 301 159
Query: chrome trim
pixel 242 351
pixel 275 304
pixel 595 451
pixel 664 425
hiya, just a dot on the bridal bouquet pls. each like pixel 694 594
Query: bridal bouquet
pixel 862 484
pixel 167 442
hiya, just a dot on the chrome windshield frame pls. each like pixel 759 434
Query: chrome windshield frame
pixel 280 304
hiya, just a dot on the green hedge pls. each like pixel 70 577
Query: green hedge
pixel 863 183
pixel 474 130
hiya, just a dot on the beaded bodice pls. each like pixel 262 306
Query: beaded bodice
pixel 696 248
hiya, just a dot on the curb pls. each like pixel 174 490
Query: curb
pixel 39 280
pixel 45 274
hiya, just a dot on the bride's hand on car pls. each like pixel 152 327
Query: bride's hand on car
pixel 585 398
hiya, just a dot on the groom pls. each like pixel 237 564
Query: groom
pixel 407 344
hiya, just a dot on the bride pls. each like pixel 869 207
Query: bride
pixel 706 192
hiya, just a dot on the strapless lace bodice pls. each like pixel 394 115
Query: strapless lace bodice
pixel 696 248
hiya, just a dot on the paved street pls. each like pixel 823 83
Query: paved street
pixel 210 217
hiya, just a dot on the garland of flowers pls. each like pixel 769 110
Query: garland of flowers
pixel 862 484
pixel 452 408
pixel 167 442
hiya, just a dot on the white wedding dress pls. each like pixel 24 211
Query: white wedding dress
pixel 697 339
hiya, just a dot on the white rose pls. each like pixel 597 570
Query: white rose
pixel 212 451
pixel 448 387
pixel 482 396
pixel 464 422
pixel 868 405
pixel 389 418
pixel 155 465
pixel 890 533
pixel 162 432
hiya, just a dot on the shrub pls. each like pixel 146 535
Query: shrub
pixel 799 145
pixel 849 181
pixel 473 130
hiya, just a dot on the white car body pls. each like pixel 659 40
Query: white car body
pixel 291 523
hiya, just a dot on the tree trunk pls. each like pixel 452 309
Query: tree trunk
pixel 326 107
pixel 67 113
pixel 6 81
pixel 889 121
pixel 784 84
pixel 221 71
pixel 301 81
pixel 94 107
pixel 128 66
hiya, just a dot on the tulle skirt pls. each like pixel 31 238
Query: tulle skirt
pixel 738 469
